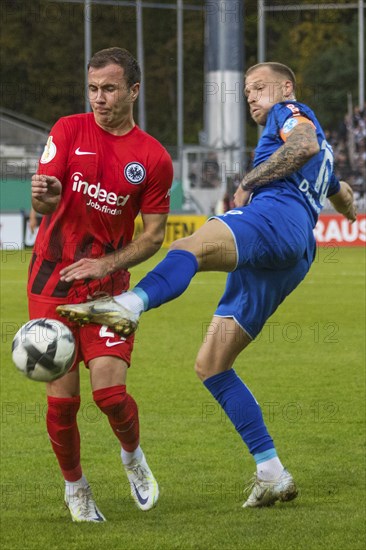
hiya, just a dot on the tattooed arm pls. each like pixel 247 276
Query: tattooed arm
pixel 301 144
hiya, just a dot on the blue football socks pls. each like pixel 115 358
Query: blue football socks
pixel 244 412
pixel 168 280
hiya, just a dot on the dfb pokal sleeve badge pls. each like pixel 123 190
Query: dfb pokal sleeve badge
pixel 49 152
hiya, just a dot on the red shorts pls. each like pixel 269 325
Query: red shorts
pixel 91 340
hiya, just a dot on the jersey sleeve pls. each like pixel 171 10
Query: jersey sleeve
pixel 334 185
pixel 53 161
pixel 291 123
pixel 156 197
pixel 288 116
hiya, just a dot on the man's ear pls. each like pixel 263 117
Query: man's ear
pixel 288 89
pixel 135 90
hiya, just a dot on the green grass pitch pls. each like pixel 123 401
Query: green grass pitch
pixel 307 371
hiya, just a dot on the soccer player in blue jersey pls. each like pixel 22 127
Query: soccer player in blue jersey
pixel 266 244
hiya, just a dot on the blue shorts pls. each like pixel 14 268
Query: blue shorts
pixel 275 248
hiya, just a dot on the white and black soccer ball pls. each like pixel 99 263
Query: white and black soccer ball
pixel 43 349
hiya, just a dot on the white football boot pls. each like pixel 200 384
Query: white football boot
pixel 266 493
pixel 82 505
pixel 105 311
pixel 144 487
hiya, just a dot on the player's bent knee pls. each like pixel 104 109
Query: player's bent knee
pixel 200 370
pixel 111 400
pixel 205 370
pixel 180 244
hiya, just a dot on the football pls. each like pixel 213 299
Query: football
pixel 43 349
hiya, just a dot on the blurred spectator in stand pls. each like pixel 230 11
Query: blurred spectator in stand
pixel 223 205
pixel 210 172
pixel 192 179
pixel 33 220
pixel 342 167
pixel 348 144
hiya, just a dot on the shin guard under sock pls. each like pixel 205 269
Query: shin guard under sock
pixel 243 410
pixel 64 434
pixel 122 413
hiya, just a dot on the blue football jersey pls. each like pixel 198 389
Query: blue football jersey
pixel 315 180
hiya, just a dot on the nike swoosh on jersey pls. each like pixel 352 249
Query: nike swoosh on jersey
pixel 111 344
pixel 140 499
pixel 78 152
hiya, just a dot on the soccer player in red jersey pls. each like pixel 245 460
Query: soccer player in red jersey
pixel 97 172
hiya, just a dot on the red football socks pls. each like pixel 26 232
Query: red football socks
pixel 122 413
pixel 64 434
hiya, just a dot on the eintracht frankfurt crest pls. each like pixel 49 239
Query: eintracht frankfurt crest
pixel 134 173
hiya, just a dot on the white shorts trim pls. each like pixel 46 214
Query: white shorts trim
pixel 231 231
pixel 236 321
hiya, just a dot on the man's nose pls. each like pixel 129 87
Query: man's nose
pixel 252 96
pixel 100 98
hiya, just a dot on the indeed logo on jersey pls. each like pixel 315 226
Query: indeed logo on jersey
pixel 95 191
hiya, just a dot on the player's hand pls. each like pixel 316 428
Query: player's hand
pixel 351 213
pixel 241 197
pixel 87 268
pixel 349 208
pixel 45 188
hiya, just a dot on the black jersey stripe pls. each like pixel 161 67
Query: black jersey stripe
pixel 45 272
pixel 62 289
pixel 34 257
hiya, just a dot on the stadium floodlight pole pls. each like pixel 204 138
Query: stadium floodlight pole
pixel 140 58
pixel 261 52
pixel 261 27
pixel 361 55
pixel 224 67
pixel 180 104
pixel 87 49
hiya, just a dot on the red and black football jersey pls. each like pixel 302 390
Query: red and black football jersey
pixel 106 181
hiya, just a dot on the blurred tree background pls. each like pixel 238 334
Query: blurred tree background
pixel 42 64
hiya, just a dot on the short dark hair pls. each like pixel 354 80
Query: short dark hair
pixel 121 57
pixel 279 68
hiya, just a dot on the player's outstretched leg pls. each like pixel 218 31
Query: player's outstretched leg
pixel 144 487
pixel 210 248
pixel 167 281
pixel 79 500
pixel 224 340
